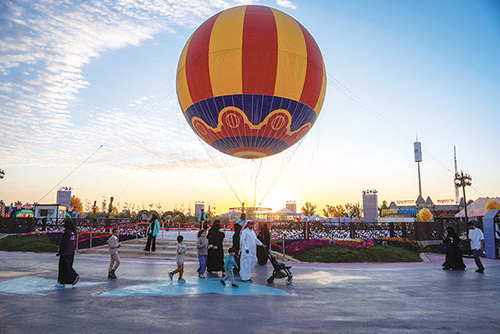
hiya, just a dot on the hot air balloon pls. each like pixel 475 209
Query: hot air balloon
pixel 251 81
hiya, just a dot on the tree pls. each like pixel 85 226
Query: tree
pixel 353 210
pixel 492 205
pixel 88 205
pixel 104 203
pixel 158 207
pixel 337 211
pixel 328 211
pixel 308 209
pixel 77 204
pixel 95 208
pixel 424 215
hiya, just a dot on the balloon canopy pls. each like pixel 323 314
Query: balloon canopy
pixel 251 81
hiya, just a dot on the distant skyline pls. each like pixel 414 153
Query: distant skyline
pixel 78 76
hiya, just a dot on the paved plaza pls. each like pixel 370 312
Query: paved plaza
pixel 323 298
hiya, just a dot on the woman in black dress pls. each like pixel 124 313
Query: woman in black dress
pixel 215 260
pixel 66 253
pixel 453 253
pixel 265 237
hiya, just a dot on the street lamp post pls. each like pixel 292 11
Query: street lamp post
pixel 462 180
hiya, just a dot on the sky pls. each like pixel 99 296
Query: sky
pixel 88 101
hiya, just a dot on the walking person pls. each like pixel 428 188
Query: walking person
pixel 66 253
pixel 113 245
pixel 179 259
pixel 237 231
pixel 202 247
pixel 229 265
pixel 454 259
pixel 215 258
pixel 248 248
pixel 153 230
pixel 476 244
pixel 265 237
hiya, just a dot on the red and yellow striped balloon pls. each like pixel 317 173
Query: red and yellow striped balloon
pixel 251 81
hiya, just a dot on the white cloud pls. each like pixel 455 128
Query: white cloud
pixel 44 46
pixel 286 4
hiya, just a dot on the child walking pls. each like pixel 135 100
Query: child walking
pixel 202 246
pixel 179 258
pixel 113 246
pixel 229 265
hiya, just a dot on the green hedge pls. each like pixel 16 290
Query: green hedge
pixel 343 254
pixel 32 243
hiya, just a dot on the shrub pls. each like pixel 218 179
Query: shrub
pixel 404 243
pixel 297 247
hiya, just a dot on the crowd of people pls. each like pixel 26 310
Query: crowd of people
pixel 247 250
pixel 243 256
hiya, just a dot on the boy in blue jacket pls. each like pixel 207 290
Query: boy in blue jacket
pixel 229 266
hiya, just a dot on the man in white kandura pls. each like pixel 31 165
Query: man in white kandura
pixel 248 247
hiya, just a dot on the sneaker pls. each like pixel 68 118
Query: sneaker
pixel 234 285
pixel 201 276
pixel 59 285
pixel 171 275
pixel 76 280
pixel 222 282
pixel 247 280
pixel 110 276
pixel 480 271
pixel 182 280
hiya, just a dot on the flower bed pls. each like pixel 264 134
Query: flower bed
pixel 298 247
pixel 404 243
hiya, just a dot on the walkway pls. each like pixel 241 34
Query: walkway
pixel 323 298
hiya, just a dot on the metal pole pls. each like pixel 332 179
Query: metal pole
pixel 283 250
pixel 465 210
pixel 419 181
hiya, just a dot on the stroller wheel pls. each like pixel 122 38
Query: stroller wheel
pixel 289 281
pixel 270 280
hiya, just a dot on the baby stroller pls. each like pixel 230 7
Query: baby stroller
pixel 280 269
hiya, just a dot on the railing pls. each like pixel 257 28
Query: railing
pixel 352 230
pixel 93 229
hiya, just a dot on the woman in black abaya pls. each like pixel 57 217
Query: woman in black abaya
pixel 66 253
pixel 453 253
pixel 215 259
pixel 265 237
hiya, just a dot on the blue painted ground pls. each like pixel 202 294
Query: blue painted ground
pixel 194 287
pixel 32 285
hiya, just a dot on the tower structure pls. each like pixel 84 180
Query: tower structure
pixel 417 149
pixel 370 205
pixel 64 196
pixel 198 205
pixel 292 206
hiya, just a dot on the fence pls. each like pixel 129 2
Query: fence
pixel 280 230
pixel 352 230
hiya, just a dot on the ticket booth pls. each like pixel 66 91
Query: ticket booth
pixel 491 227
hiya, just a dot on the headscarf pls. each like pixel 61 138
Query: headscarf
pixel 246 225
pixel 214 229
pixel 68 224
